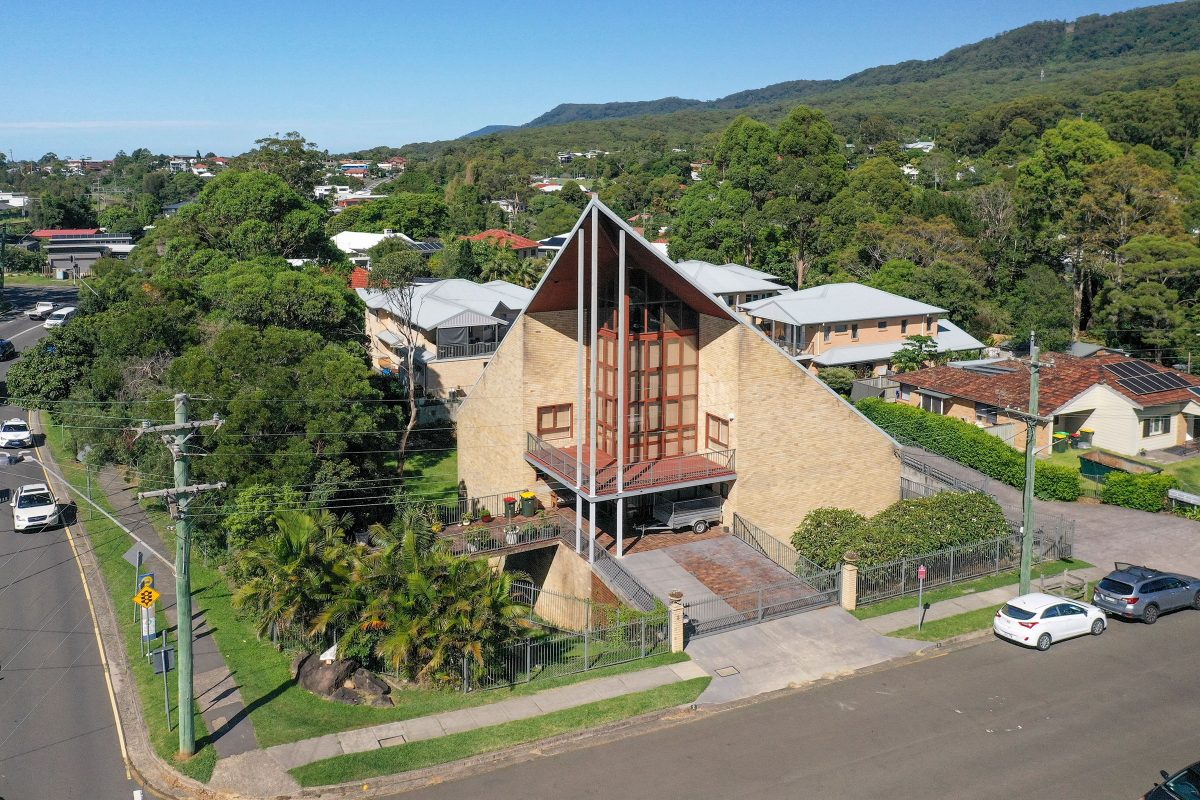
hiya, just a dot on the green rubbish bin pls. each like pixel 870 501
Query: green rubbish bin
pixel 1061 442
pixel 528 504
pixel 1085 438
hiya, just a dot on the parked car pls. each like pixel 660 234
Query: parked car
pixel 15 433
pixel 1183 785
pixel 1039 620
pixel 59 317
pixel 1143 593
pixel 7 349
pixel 41 310
pixel 34 507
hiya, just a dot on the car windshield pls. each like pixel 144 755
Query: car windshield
pixel 57 315
pixel 1010 610
pixel 1116 587
pixel 14 427
pixel 34 499
pixel 1185 785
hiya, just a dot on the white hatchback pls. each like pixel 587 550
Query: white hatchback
pixel 1039 620
pixel 34 507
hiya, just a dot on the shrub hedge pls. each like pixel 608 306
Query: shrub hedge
pixel 970 446
pixel 905 528
pixel 1143 492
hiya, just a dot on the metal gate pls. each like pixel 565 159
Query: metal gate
pixel 715 614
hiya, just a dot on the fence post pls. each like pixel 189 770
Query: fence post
pixel 952 565
pixel 466 679
pixel 528 660
pixel 849 593
pixel 760 605
pixel 998 541
pixel 643 639
pixel 676 621
pixel 587 661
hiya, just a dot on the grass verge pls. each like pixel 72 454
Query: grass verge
pixel 430 752
pixel 435 473
pixel 282 712
pixel 109 543
pixel 29 279
pixel 936 631
pixel 983 584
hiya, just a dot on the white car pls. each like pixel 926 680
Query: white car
pixel 15 433
pixel 41 310
pixel 59 317
pixel 34 507
pixel 1039 620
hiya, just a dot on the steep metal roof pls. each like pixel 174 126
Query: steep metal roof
pixel 837 302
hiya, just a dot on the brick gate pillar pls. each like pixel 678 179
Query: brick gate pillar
pixel 676 607
pixel 850 580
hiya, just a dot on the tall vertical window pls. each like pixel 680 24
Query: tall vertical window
pixel 554 420
pixel 903 327
pixel 854 331
pixel 716 432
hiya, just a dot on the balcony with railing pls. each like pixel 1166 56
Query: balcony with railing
pixel 446 352
pixel 663 473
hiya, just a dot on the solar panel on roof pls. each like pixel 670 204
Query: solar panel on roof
pixel 1155 382
pixel 1194 390
pixel 1130 369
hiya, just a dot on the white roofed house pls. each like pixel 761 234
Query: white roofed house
pixel 852 325
pixel 735 284
pixel 355 244
pixel 456 325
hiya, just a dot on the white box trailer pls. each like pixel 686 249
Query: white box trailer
pixel 699 514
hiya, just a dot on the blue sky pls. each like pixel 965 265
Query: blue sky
pixel 83 78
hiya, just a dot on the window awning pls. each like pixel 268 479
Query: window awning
pixel 390 339
pixel 932 393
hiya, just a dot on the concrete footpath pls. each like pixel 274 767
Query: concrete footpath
pixel 897 620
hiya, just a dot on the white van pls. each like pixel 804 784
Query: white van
pixel 59 318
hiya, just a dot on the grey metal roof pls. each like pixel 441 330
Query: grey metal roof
pixel 719 279
pixel 837 302
pixel 441 303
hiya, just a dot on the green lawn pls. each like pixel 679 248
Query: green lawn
pixel 1188 473
pixel 402 758
pixel 977 620
pixel 109 544
pixel 968 587
pixel 435 474
pixel 282 712
pixel 30 279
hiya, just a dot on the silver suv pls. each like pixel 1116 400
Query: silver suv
pixel 1143 593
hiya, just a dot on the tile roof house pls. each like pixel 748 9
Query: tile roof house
pixel 1131 405
pixel 625 382
pixel 853 325
pixel 526 248
pixel 458 325
pixel 55 233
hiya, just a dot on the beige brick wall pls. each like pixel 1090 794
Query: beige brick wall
pixel 800 446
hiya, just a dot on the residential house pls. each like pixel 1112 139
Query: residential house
pixel 356 244
pixel 394 164
pixel 510 207
pixel 525 248
pixel 180 164
pixel 734 284
pixel 458 324
pixel 71 255
pixel 549 247
pixel 14 199
pixel 853 325
pixel 1131 405
pixel 923 146
pixel 625 381
pixel 347 199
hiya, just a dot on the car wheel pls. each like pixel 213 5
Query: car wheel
pixel 1044 641
pixel 1196 601
pixel 699 526
pixel 1097 627
pixel 1150 615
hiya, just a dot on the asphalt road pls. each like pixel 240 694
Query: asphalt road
pixel 1091 718
pixel 57 734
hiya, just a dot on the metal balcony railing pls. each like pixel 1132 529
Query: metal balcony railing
pixel 661 472
pixel 449 351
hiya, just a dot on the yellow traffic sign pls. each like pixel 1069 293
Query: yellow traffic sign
pixel 146 596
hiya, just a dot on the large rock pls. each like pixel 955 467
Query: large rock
pixel 324 679
pixel 368 683
pixel 298 664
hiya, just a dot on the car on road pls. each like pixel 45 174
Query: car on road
pixel 41 310
pixel 7 350
pixel 15 433
pixel 34 507
pixel 1183 785
pixel 59 317
pixel 1039 620
pixel 1143 593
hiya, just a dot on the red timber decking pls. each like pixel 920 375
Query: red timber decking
pixel 661 473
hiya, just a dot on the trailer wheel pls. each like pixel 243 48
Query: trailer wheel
pixel 699 526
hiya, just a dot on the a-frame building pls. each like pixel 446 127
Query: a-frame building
pixel 623 381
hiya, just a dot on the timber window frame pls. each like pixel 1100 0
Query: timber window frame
pixel 550 419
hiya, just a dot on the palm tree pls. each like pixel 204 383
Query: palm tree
pixel 294 572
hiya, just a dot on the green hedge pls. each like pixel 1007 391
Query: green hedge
pixel 970 446
pixel 1143 492
pixel 905 528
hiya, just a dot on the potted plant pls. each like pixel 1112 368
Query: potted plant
pixel 467 519
pixel 478 538
pixel 529 531
pixel 437 526
pixel 511 533
pixel 485 517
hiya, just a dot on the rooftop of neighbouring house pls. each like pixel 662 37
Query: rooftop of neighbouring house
pixel 837 302
pixel 453 302
pixel 360 277
pixel 361 241
pixel 1005 382
pixel 51 233
pixel 950 339
pixel 721 279
pixel 504 239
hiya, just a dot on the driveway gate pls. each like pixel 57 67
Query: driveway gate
pixel 716 614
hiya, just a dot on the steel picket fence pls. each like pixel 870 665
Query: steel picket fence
pixel 779 552
pixel 715 614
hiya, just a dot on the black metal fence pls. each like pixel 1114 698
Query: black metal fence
pixel 715 614
pixel 782 554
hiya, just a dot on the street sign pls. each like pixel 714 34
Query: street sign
pixel 163 659
pixel 147 595
pixel 131 555
pixel 921 595
pixel 149 623
pixel 921 572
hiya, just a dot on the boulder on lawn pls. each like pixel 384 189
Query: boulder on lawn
pixel 347 696
pixel 298 664
pixel 324 679
pixel 368 683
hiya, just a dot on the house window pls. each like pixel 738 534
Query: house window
pixel 903 327
pixel 905 393
pixel 1156 426
pixel 934 405
pixel 839 328
pixel 854 331
pixel 554 420
pixel 717 432
pixel 928 324
pixel 825 334
pixel 986 414
pixel 883 324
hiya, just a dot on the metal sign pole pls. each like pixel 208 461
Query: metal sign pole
pixel 921 595
pixel 137 581
pixel 166 688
